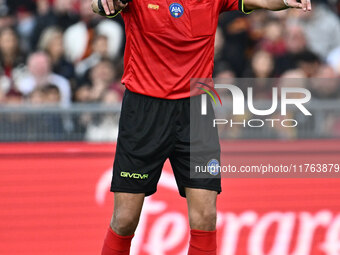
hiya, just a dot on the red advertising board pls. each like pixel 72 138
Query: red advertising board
pixel 54 199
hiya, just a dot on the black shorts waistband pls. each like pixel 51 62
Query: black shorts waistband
pixel 127 91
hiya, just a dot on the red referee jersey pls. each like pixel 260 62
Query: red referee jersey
pixel 168 42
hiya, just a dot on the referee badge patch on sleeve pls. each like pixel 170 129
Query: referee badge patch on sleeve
pixel 176 10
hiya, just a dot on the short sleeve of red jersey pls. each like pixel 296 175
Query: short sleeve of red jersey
pixel 232 5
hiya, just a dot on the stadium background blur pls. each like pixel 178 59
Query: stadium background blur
pixel 60 70
pixel 57 53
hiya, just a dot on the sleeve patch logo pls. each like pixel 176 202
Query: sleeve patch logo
pixel 176 10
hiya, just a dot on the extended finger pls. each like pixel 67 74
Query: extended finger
pixel 304 5
pixel 111 6
pixel 309 5
pixel 106 7
pixel 295 4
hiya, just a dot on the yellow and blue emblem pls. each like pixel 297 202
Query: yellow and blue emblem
pixel 176 10
pixel 213 167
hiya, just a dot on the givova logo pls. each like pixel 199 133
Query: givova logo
pixel 134 175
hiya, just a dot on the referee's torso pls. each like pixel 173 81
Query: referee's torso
pixel 168 43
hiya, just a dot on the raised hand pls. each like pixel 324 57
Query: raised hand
pixel 305 5
pixel 113 6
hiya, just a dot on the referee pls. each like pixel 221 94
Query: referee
pixel 168 42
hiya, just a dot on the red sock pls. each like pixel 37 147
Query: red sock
pixel 115 244
pixel 202 242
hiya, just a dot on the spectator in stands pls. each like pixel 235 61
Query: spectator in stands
pixel 49 123
pixel 322 29
pixel 308 62
pixel 226 73
pixel 51 42
pixel 11 62
pixel 48 95
pixel 102 78
pixel 14 122
pixel 333 59
pixel 6 15
pixel 295 43
pixel 257 22
pixel 235 27
pixel 61 14
pixel 11 56
pixel 26 21
pixel 219 46
pixel 272 40
pixel 65 13
pixel 106 72
pixel 293 78
pixel 295 39
pixel 36 97
pixel 262 65
pixel 78 38
pixel 99 51
pixel 326 84
pixel 40 75
pixel 106 128
pixel 52 95
pixel 222 70
pixel 5 86
pixel 83 94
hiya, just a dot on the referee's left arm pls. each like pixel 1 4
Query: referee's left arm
pixel 276 5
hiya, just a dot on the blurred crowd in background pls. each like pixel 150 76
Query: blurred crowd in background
pixel 57 52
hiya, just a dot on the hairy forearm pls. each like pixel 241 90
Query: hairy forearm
pixel 273 5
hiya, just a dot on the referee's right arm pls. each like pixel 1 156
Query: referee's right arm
pixel 108 8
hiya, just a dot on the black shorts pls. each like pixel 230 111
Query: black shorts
pixel 152 130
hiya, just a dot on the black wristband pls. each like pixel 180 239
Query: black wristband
pixel 101 8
